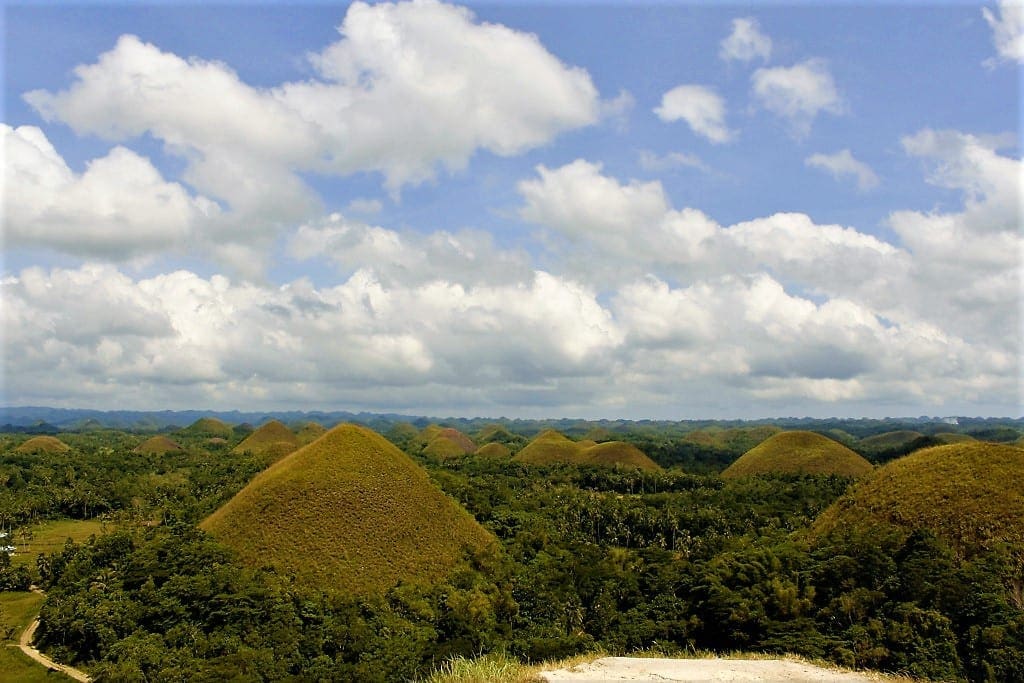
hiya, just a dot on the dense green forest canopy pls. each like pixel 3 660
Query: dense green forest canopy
pixel 588 557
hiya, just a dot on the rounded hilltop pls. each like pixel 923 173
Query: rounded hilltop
pixel 157 445
pixel 799 452
pixel 550 447
pixel 272 440
pixel 209 426
pixel 348 513
pixel 446 442
pixel 42 444
pixel 968 493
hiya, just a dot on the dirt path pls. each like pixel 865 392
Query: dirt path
pixel 644 669
pixel 25 645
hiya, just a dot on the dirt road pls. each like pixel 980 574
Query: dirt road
pixel 25 645
pixel 644 669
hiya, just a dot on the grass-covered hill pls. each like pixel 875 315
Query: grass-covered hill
pixel 495 450
pixel 348 513
pixel 969 494
pixel 208 426
pixel 42 444
pixel 889 440
pixel 157 445
pixel 952 437
pixel 271 441
pixel 551 447
pixel 447 442
pixel 799 452
pixel 736 439
pixel 308 432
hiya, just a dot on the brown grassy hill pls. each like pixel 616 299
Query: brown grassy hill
pixel 552 447
pixel 157 445
pixel 209 426
pixel 968 493
pixel 881 442
pixel 799 452
pixel 495 450
pixel 42 444
pixel 953 437
pixel 619 453
pixel 548 447
pixel 348 513
pixel 270 442
pixel 310 432
pixel 734 439
pixel 443 448
pixel 458 438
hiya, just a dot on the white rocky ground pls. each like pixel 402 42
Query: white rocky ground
pixel 646 669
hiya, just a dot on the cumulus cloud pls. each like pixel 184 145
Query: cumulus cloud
pixel 798 93
pixel 746 42
pixel 407 88
pixel 1007 24
pixel 468 257
pixel 701 108
pixel 119 207
pixel 843 164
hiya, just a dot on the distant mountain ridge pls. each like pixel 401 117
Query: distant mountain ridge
pixel 46 420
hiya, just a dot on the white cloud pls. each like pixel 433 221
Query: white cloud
pixel 798 93
pixel 407 87
pixel 842 164
pixel 1007 25
pixel 467 258
pixel 365 206
pixel 413 84
pixel 746 42
pixel 702 109
pixel 119 207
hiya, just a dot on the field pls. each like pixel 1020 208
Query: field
pixel 16 612
pixel 50 536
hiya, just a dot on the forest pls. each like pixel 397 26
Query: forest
pixel 676 561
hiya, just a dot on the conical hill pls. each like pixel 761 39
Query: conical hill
pixel 42 444
pixel 310 432
pixel 969 494
pixel 449 443
pixel 209 426
pixel 551 447
pixel 348 513
pixel 272 440
pixel 157 445
pixel 799 452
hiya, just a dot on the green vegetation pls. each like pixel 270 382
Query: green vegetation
pixel 736 438
pixel 157 445
pixel 42 444
pixel 550 447
pixel 563 559
pixel 349 513
pixel 799 452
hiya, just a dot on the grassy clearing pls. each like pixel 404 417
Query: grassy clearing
pixel 17 610
pixel 50 536
pixel 348 513
pixel 799 452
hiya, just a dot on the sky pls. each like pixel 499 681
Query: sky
pixel 523 209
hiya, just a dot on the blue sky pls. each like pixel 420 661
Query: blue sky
pixel 599 210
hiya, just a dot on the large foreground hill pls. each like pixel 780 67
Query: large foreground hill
pixel 348 513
